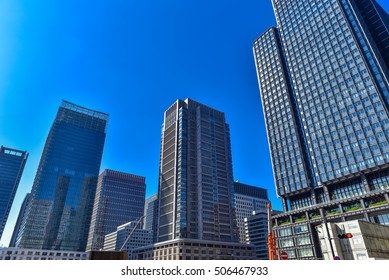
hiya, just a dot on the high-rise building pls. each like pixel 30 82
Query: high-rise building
pixel 196 191
pixel 150 221
pixel 247 200
pixel 120 198
pixel 323 77
pixel 12 164
pixel 59 214
pixel 19 221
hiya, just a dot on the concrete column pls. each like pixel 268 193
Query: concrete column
pixel 362 202
pixel 341 212
pixel 365 183
pixel 322 214
pixel 386 197
pixel 326 193
pixel 285 204
pixel 313 197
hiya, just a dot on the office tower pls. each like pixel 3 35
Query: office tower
pixel 150 221
pixel 323 77
pixel 196 195
pixel 12 164
pixel 19 221
pixel 115 240
pixel 59 214
pixel 248 199
pixel 120 198
pixel 256 233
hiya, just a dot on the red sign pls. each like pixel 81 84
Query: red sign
pixel 284 255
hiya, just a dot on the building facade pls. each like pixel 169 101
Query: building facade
pixel 365 240
pixel 151 216
pixel 115 240
pixel 323 77
pixel 59 214
pixel 19 221
pixel 35 254
pixel 194 249
pixel 256 233
pixel 120 198
pixel 12 164
pixel 196 195
pixel 248 199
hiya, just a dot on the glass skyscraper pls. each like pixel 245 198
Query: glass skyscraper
pixel 59 213
pixel 120 198
pixel 12 164
pixel 196 192
pixel 323 76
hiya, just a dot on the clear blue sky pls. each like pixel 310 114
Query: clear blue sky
pixel 132 60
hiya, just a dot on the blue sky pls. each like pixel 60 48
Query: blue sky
pixel 132 60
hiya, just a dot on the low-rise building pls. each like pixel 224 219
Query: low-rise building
pixel 194 249
pixel 354 240
pixel 35 254
pixel 115 240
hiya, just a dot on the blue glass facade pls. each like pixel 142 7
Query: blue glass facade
pixel 196 198
pixel 12 164
pixel 64 188
pixel 150 221
pixel 324 90
pixel 120 198
pixel 323 77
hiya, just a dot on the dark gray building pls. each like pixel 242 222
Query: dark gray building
pixel 12 164
pixel 150 221
pixel 196 192
pixel 323 76
pixel 59 214
pixel 120 198
pixel 256 233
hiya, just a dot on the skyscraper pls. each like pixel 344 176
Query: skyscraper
pixel 12 164
pixel 248 199
pixel 150 221
pixel 196 195
pixel 323 76
pixel 120 198
pixel 19 221
pixel 59 214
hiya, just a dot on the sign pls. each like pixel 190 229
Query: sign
pixel 336 258
pixel 284 255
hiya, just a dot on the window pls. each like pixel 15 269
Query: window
pixel 300 229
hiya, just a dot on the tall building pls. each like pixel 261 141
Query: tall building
pixel 59 214
pixel 19 221
pixel 120 198
pixel 12 164
pixel 256 233
pixel 247 200
pixel 150 221
pixel 196 191
pixel 323 77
